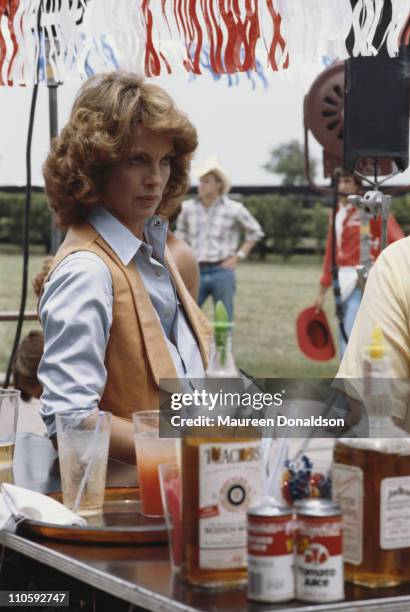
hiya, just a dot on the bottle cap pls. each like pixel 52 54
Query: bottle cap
pixel 222 328
pixel 219 326
pixel 221 320
pixel 376 348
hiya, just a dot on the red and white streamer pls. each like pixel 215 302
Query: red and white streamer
pixel 161 36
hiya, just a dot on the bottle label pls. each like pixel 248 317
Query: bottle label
pixel 395 512
pixel 271 578
pixel 347 484
pixel 319 560
pixel 270 559
pixel 230 481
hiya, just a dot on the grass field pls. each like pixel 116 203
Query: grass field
pixel 268 299
pixel 11 269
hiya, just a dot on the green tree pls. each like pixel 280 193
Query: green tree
pixel 288 225
pixel 401 210
pixel 283 220
pixel 12 216
pixel 261 207
pixel 320 223
pixel 40 221
pixel 287 160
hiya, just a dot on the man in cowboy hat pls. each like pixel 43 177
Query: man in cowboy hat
pixel 212 224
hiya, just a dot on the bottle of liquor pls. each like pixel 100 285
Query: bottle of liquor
pixel 221 479
pixel 371 482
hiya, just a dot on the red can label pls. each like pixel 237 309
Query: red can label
pixel 319 559
pixel 270 558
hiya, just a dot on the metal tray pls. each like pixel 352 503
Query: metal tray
pixel 120 523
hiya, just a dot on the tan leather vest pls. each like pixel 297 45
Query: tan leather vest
pixel 137 356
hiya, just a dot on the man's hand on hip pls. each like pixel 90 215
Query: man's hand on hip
pixel 230 263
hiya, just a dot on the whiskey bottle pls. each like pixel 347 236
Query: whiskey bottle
pixel 221 479
pixel 371 482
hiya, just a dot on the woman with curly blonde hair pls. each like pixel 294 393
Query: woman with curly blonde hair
pixel 116 315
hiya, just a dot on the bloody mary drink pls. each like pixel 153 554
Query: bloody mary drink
pixel 150 454
pixel 151 451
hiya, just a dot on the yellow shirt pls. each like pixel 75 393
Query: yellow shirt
pixel 386 302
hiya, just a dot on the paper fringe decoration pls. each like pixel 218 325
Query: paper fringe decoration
pixel 80 37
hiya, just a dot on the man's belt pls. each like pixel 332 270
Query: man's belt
pixel 210 264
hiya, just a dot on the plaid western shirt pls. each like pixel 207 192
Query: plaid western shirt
pixel 214 233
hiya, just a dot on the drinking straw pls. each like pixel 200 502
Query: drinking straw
pixel 275 470
pixel 302 449
pixel 89 455
pixel 266 447
pixel 178 453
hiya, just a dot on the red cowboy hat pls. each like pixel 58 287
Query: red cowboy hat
pixel 314 336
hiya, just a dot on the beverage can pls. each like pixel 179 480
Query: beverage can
pixel 319 551
pixel 315 504
pixel 270 553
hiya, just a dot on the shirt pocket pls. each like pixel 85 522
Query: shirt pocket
pixel 221 226
pixel 195 226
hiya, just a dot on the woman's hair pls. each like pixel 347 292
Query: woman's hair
pixel 358 182
pixel 39 279
pixel 356 179
pixel 98 134
pixel 25 364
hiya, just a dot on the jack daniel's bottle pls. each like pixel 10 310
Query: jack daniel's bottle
pixel 221 479
pixel 371 482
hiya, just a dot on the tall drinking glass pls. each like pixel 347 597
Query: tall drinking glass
pixel 170 483
pixel 151 451
pixel 83 438
pixel 9 400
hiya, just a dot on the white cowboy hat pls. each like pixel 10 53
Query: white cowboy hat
pixel 211 164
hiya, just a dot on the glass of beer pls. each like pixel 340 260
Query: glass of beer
pixel 83 438
pixel 151 451
pixel 9 399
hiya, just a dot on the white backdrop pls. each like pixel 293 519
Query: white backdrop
pixel 238 124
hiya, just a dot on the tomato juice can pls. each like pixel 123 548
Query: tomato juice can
pixel 319 551
pixel 271 553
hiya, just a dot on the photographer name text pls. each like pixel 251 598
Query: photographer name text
pixel 177 420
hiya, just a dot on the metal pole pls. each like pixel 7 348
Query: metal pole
pixel 56 234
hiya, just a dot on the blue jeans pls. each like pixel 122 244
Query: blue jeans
pixel 220 283
pixel 351 306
